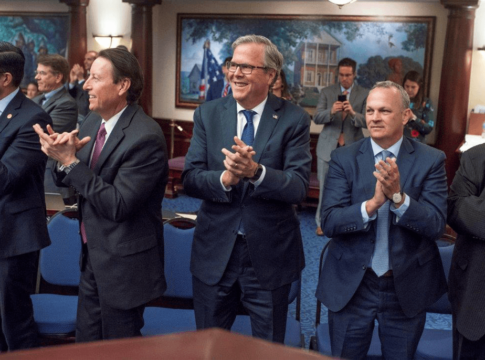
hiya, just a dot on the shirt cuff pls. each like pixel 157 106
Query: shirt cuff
pixel 365 217
pixel 399 212
pixel 261 178
pixel 222 184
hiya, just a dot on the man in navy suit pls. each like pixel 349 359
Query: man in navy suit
pixel 249 160
pixel 23 229
pixel 384 206
pixel 220 88
pixel 119 168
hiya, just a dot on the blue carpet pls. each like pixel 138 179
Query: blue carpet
pixel 313 246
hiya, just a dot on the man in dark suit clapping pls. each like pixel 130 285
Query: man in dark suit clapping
pixel 384 206
pixel 23 230
pixel 249 160
pixel 119 168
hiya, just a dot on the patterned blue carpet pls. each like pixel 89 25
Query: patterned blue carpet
pixel 313 246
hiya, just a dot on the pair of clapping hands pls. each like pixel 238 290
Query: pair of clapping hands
pixel 239 164
pixel 60 147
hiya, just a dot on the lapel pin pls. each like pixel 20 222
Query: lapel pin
pixel 9 116
pixel 275 116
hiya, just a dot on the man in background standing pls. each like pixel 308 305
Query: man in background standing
pixel 23 229
pixel 76 82
pixel 51 75
pixel 341 109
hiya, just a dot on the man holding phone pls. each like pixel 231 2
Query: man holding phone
pixel 341 109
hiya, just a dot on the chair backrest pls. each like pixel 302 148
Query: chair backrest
pixel 177 247
pixel 59 262
pixel 443 305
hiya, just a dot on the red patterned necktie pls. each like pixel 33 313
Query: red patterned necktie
pixel 98 146
pixel 226 90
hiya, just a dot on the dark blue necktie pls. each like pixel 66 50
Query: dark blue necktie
pixel 248 131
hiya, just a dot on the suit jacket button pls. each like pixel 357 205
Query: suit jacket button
pixel 364 267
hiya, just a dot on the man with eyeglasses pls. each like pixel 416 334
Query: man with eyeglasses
pixel 51 75
pixel 23 227
pixel 341 109
pixel 249 161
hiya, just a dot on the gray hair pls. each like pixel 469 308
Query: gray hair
pixel 272 57
pixel 389 85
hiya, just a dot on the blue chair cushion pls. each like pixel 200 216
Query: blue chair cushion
pixel 435 344
pixel 54 314
pixel 323 342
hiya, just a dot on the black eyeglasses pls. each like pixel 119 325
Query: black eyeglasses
pixel 245 68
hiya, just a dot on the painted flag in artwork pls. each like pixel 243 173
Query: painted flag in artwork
pixel 211 71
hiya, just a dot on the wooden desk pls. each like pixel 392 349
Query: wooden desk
pixel 208 344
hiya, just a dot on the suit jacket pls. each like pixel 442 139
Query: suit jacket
pixel 419 278
pixel 81 96
pixel 62 108
pixel 22 164
pixel 215 90
pixel 271 225
pixel 120 205
pixel 466 215
pixel 352 129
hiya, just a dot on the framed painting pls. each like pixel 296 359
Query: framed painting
pixel 311 45
pixel 35 34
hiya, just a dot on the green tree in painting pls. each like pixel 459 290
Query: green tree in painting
pixel 376 69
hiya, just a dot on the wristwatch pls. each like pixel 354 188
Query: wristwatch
pixel 257 174
pixel 397 197
pixel 69 167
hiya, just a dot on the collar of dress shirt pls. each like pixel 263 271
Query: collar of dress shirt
pixel 52 93
pixel 349 90
pixel 394 148
pixel 6 100
pixel 111 123
pixel 241 119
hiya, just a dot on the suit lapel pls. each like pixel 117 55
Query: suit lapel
pixel 90 128
pixel 365 163
pixel 116 136
pixel 267 123
pixel 228 123
pixel 405 160
pixel 11 110
pixel 54 98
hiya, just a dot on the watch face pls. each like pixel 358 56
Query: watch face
pixel 397 197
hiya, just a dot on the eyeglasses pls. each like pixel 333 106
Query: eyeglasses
pixel 245 68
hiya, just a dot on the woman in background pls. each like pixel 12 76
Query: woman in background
pixel 280 87
pixel 32 90
pixel 423 121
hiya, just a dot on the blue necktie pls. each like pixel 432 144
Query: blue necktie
pixel 380 259
pixel 248 131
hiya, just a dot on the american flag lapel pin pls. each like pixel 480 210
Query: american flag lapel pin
pixel 275 116
pixel 9 116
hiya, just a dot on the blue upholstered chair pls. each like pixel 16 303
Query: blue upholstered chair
pixel 55 314
pixel 176 312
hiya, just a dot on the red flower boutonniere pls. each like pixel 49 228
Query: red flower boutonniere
pixel 414 133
